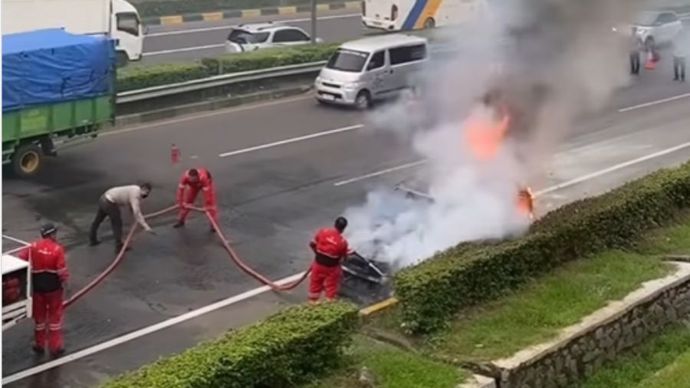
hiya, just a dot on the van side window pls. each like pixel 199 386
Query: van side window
pixel 377 60
pixel 406 54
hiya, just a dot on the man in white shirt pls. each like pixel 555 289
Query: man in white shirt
pixel 109 206
pixel 681 50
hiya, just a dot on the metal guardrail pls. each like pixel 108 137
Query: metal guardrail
pixel 232 78
pixel 217 80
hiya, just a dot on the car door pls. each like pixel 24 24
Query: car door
pixel 290 37
pixel 377 74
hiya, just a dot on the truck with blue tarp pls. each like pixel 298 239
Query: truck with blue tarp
pixel 57 87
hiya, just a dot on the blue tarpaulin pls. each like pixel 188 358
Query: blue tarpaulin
pixel 52 65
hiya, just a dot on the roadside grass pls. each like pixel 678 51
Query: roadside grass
pixel 661 362
pixel 539 310
pixel 390 367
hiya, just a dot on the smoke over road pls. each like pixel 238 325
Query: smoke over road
pixel 548 61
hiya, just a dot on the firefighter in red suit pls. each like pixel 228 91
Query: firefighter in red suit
pixel 330 248
pixel 48 278
pixel 196 179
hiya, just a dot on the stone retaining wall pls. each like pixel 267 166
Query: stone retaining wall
pixel 583 348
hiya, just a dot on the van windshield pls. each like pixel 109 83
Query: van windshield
pixel 347 60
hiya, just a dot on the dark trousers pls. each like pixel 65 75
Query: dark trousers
pixel 635 62
pixel 679 68
pixel 112 211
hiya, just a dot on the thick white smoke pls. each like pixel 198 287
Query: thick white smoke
pixel 557 59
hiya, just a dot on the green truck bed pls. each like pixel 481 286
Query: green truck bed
pixel 25 129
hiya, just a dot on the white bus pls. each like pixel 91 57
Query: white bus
pixel 405 15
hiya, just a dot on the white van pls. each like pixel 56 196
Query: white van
pixel 370 69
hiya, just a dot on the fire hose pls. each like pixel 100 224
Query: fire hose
pixel 236 259
pixel 115 263
pixel 244 267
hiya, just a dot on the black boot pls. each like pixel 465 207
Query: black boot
pixel 37 349
pixel 57 353
pixel 179 224
pixel 94 242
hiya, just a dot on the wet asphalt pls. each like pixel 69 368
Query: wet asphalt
pixel 271 201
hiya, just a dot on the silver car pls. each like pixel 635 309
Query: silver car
pixel 657 27
pixel 370 69
pixel 257 36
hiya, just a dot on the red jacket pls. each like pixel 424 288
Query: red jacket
pixel 203 183
pixel 48 268
pixel 331 243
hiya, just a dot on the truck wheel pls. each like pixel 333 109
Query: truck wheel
pixel 122 59
pixel 27 160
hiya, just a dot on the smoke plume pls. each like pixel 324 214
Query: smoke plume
pixel 549 62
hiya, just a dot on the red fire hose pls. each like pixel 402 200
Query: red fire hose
pixel 244 267
pixel 115 262
pixel 233 255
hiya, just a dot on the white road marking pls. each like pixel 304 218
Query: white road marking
pixel 292 140
pixel 251 293
pixel 227 27
pixel 145 331
pixel 652 103
pixel 380 172
pixel 15 239
pixel 611 169
pixel 184 49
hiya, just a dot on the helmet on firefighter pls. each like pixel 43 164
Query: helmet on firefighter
pixel 48 230
pixel 340 224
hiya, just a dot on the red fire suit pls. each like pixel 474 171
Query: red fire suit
pixel 48 275
pixel 330 248
pixel 205 184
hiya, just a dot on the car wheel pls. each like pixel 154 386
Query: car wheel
pixel 363 100
pixel 649 43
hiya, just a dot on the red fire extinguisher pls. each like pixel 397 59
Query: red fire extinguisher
pixel 174 154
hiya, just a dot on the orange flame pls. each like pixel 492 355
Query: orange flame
pixel 525 202
pixel 485 136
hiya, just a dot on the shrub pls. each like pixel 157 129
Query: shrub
pixel 176 7
pixel 430 293
pixel 139 77
pixel 264 59
pixel 286 349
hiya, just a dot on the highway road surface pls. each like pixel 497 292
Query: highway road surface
pixel 190 41
pixel 195 40
pixel 282 169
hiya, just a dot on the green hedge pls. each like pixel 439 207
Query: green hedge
pixel 177 7
pixel 264 59
pixel 137 77
pixel 432 292
pixel 286 349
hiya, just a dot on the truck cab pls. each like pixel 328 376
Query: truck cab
pixel 16 290
pixel 127 31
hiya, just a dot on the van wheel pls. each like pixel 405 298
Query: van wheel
pixel 429 23
pixel 363 100
pixel 27 160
